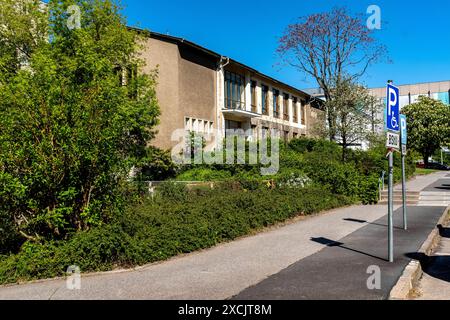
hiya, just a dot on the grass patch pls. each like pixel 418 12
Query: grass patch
pixel 424 172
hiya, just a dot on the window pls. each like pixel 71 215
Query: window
pixel 253 94
pixel 286 136
pixel 286 107
pixel 254 132
pixel 232 125
pixel 265 100
pixel 265 132
pixel 303 111
pixel 195 125
pixel 198 126
pixel 234 91
pixel 126 78
pixel 295 109
pixel 276 103
pixel 295 135
pixel 187 124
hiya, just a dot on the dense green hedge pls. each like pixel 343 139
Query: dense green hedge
pixel 319 162
pixel 175 221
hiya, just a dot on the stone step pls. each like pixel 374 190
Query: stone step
pixel 432 193
pixel 434 198
pixel 433 204
pixel 400 198
pixel 399 202
pixel 399 192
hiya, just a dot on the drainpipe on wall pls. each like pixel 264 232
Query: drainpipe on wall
pixel 223 65
pixel 224 61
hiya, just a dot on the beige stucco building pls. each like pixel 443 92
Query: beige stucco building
pixel 201 91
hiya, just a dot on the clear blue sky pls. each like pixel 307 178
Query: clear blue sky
pixel 416 32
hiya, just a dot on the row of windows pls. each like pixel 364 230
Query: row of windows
pixel 235 98
pixel 408 99
pixel 198 126
pixel 234 91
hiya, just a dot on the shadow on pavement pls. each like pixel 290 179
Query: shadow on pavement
pixel 370 223
pixel 444 232
pixel 332 243
pixel 435 266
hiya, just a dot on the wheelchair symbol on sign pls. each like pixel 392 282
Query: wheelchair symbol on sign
pixel 393 108
pixel 394 122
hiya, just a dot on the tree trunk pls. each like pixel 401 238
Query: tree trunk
pixel 344 149
pixel 331 118
pixel 331 129
pixel 425 159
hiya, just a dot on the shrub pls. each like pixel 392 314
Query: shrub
pixel 251 184
pixel 339 178
pixel 173 191
pixel 204 174
pixel 302 145
pixel 163 227
pixel 156 166
pixel 292 178
pixel 70 131
pixel 368 189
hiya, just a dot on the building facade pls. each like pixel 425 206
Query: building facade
pixel 410 93
pixel 204 92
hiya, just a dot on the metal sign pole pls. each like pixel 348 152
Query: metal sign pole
pixel 391 206
pixel 392 143
pixel 405 216
pixel 404 139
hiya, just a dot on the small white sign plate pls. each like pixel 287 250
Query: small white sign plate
pixel 393 140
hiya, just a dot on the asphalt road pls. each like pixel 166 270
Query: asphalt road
pixel 339 271
pixel 441 185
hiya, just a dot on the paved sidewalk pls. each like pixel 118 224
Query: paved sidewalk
pixel 228 269
pixel 339 272
pixel 421 183
pixel 435 283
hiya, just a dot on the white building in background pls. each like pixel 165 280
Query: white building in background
pixel 409 93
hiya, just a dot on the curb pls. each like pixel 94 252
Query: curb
pixel 413 271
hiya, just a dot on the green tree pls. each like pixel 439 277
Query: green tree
pixel 428 126
pixel 355 111
pixel 23 27
pixel 74 121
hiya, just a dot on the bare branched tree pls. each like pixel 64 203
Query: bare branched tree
pixel 329 47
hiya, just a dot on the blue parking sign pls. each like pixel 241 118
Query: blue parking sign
pixel 404 129
pixel 393 108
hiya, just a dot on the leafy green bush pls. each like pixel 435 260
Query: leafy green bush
pixel 204 174
pixel 251 184
pixel 163 227
pixel 69 130
pixel 339 178
pixel 156 166
pixel 292 178
pixel 173 191
pixel 368 189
